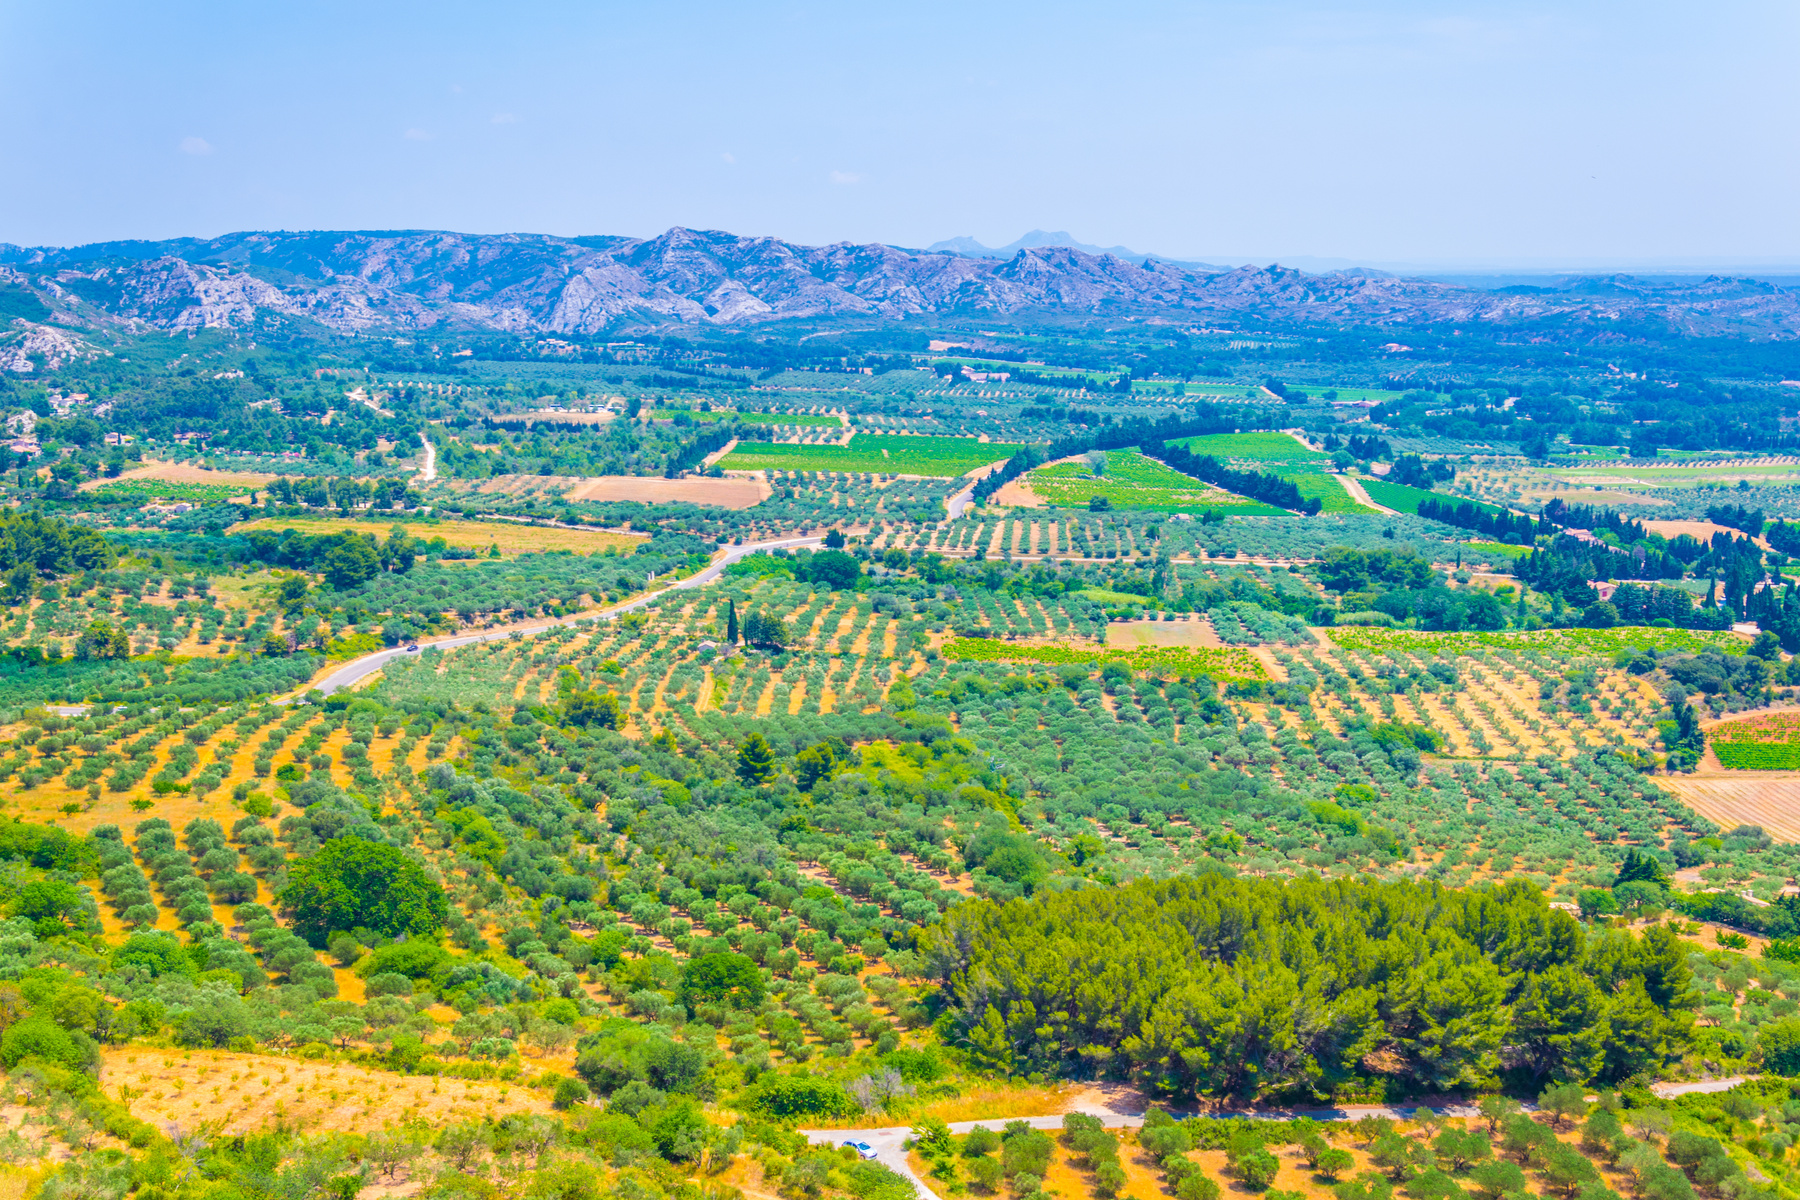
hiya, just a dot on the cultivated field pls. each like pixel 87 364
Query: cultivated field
pixel 1768 741
pixel 1771 801
pixel 247 1093
pixel 1262 447
pixel 645 489
pixel 1400 497
pixel 1134 481
pixel 239 482
pixel 904 454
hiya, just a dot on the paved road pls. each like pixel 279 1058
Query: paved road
pixel 888 1142
pixel 428 472
pixel 368 664
pixel 890 1148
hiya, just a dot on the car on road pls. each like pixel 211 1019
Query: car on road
pixel 862 1148
pixel 412 647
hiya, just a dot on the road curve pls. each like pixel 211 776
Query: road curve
pixel 959 503
pixel 360 668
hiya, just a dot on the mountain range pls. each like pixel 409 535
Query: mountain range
pixel 411 280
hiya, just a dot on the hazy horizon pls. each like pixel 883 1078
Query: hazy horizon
pixel 1460 136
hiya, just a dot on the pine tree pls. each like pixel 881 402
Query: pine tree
pixel 756 760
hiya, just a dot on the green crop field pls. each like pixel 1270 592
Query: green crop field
pixel 1135 481
pixel 1406 499
pixel 1752 756
pixel 1262 446
pixel 147 490
pixel 943 457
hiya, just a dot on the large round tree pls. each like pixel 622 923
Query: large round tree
pixel 352 883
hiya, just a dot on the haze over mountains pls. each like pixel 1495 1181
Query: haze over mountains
pixel 413 280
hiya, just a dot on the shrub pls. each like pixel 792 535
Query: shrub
pixel 351 883
pixel 569 1092
pixel 1258 1168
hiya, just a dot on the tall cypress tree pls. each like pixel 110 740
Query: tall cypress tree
pixel 731 628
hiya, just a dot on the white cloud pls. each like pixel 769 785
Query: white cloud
pixel 504 119
pixel 195 145
pixel 727 156
pixel 845 177
pixel 417 135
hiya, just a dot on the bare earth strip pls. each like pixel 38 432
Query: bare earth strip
pixel 1766 798
pixel 733 492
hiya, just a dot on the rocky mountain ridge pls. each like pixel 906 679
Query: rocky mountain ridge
pixel 410 280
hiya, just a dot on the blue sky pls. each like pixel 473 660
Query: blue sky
pixel 1521 134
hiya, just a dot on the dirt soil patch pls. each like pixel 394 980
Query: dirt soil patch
pixel 737 491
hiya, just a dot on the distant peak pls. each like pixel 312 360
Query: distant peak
pixel 1037 239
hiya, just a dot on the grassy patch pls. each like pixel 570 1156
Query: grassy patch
pixel 145 491
pixel 941 457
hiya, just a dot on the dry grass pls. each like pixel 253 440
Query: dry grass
pixel 244 1092
pixel 1767 798
pixel 512 537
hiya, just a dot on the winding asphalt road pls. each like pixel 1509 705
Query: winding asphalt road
pixel 889 1142
pixel 368 664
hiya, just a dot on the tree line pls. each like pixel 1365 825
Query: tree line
pixel 1239 987
pixel 1512 528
